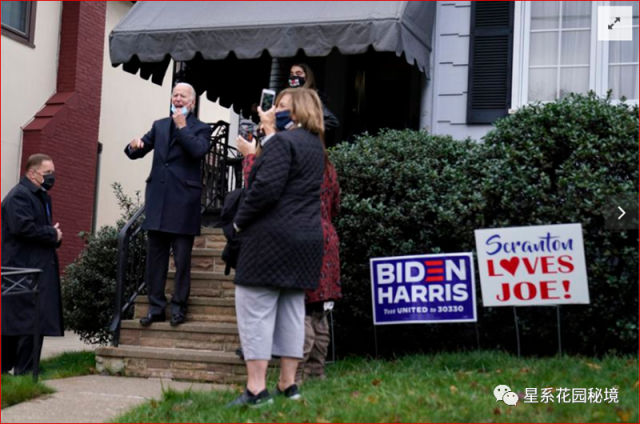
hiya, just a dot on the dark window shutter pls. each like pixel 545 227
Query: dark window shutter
pixel 490 61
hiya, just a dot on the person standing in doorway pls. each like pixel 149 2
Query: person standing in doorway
pixel 301 76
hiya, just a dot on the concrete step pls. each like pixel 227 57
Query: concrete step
pixel 204 260
pixel 215 288
pixel 175 364
pixel 201 309
pixel 215 337
pixel 199 275
pixel 205 231
pixel 211 238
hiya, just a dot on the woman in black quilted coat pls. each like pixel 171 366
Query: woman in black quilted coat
pixel 280 227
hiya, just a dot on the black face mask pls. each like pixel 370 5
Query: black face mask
pixel 49 181
pixel 296 81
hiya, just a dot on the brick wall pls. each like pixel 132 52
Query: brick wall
pixel 67 127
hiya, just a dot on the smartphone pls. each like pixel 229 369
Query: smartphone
pixel 246 130
pixel 267 99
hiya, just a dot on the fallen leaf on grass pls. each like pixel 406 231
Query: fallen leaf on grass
pixel 525 370
pixel 624 415
pixel 498 371
pixel 372 400
pixel 593 366
pixel 497 411
pixel 376 383
pixel 453 389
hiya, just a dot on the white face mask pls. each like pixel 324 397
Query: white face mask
pixel 184 110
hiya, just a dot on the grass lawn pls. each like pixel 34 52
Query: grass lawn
pixel 442 388
pixel 16 390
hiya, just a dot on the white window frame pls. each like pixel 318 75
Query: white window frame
pixel 598 59
pixel 602 81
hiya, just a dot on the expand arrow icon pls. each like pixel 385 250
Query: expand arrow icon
pixel 614 22
pixel 623 213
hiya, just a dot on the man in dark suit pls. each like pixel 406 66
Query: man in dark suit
pixel 30 240
pixel 172 199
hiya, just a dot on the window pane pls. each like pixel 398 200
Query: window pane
pixel 633 4
pixel 542 84
pixel 624 51
pixel 14 15
pixel 545 14
pixel 576 14
pixel 576 47
pixel 544 49
pixel 574 80
pixel 623 80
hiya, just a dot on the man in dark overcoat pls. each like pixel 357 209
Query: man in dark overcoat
pixel 29 240
pixel 173 201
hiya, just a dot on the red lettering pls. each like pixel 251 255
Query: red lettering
pixel 547 261
pixel 506 295
pixel 531 291
pixel 545 290
pixel 492 269
pixel 565 264
pixel 531 269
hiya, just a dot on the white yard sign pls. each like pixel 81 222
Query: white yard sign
pixel 528 266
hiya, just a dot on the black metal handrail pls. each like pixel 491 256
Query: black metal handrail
pixel 221 173
pixel 221 170
pixel 130 270
pixel 19 282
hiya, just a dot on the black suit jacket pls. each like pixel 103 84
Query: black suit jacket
pixel 29 240
pixel 174 188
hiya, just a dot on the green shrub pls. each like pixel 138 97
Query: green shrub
pixel 406 192
pixel 89 283
pixel 557 163
pixel 403 193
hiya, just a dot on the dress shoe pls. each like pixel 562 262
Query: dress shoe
pixel 176 320
pixel 150 319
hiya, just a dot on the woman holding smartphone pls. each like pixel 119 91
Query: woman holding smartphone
pixel 282 242
pixel 319 301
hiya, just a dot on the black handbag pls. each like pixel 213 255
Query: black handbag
pixel 231 252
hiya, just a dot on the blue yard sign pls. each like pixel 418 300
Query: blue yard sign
pixel 423 289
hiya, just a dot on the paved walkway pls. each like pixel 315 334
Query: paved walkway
pixel 93 399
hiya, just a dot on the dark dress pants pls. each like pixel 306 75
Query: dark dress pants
pixel 158 255
pixel 17 354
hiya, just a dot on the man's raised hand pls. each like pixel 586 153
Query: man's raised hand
pixel 136 144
